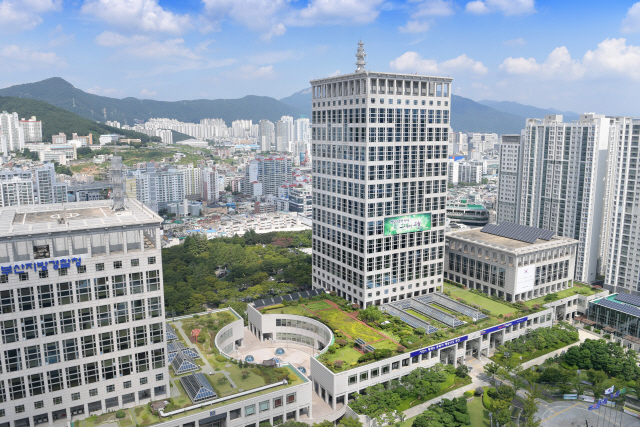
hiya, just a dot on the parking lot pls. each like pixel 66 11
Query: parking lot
pixel 574 413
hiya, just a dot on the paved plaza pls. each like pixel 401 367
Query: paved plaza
pixel 573 413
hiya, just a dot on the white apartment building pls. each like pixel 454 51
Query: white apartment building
pixel 301 129
pixel 81 311
pixel 379 146
pixel 59 139
pixel 264 175
pixel 620 253
pixel 12 131
pixel 61 153
pixel 210 184
pixel 562 168
pixel 32 129
pixel 267 131
pixel 509 176
pixel 192 180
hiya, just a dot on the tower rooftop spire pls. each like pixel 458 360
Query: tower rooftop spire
pixel 360 55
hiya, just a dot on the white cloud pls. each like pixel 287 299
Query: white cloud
pixel 507 7
pixel 141 15
pixel 251 72
pixel 413 27
pixel 413 62
pixel 515 42
pixel 59 38
pixel 169 56
pixel 631 22
pixel 146 47
pixel 17 58
pixel 18 15
pixel 611 56
pixel 331 12
pixel 334 74
pixel 557 65
pixel 146 92
pixel 614 56
pixel 272 17
pixel 276 30
pixel 423 12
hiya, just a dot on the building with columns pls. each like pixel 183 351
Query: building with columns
pixel 81 311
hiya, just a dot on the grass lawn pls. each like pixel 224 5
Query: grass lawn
pixel 297 310
pixel 222 389
pixel 348 355
pixel 144 417
pixel 338 319
pixel 575 290
pixel 431 321
pixel 494 307
pixel 532 355
pixel 479 415
pixel 385 344
pixel 252 381
pixel 319 305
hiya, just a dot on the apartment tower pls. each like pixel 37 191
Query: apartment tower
pixel 562 171
pixel 379 147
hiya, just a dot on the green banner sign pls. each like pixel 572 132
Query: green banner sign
pixel 407 224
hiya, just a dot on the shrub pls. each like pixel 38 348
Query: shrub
pixel 221 358
pixel 144 417
pixel 196 316
pixel 479 391
pixel 342 342
pixel 597 331
pixel 587 327
pixel 120 414
pixel 338 364
pixel 468 394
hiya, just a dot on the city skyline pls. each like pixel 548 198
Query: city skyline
pixel 525 51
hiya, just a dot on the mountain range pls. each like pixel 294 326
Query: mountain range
pixel 466 115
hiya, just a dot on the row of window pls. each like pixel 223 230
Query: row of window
pixel 343 170
pixel 38 404
pixel 381 115
pixel 35 356
pixel 344 273
pixel 51 324
pixel 263 406
pixel 301 324
pixel 337 236
pixel 381 134
pixel 339 186
pixel 74 376
pixel 403 271
pixel 24 299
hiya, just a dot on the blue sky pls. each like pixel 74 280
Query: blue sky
pixel 570 55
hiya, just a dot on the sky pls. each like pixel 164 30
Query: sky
pixel 581 56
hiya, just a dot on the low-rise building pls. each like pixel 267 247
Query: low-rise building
pixel 512 262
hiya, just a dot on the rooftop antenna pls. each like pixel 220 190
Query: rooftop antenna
pixel 116 182
pixel 360 55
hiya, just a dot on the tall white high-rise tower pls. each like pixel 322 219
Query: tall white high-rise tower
pixel 379 147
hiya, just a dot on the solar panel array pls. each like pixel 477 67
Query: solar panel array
pixel 291 297
pixel 171 333
pixel 518 232
pixel 629 299
pixel 409 319
pixel 447 302
pixel 369 349
pixel 175 347
pixel 629 309
pixel 198 387
pixel 436 314
pixel 183 363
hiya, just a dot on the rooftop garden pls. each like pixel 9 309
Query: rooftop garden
pixel 577 289
pixel 387 334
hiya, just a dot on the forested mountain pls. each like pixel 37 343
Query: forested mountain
pixel 61 93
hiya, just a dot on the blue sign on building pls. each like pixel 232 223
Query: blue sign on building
pixel 504 325
pixel 42 265
pixel 439 346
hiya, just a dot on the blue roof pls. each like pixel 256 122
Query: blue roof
pixel 198 387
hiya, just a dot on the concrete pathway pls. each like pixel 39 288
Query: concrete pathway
pixel 133 416
pixel 207 368
pixel 174 391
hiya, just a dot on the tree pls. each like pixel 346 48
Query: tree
pixel 245 375
pixel 462 371
pixel 370 314
pixel 350 422
pixel 531 405
pixel 491 369
pixel 596 378
pixel 501 411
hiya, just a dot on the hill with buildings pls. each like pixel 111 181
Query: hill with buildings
pixel 467 115
pixel 61 93
pixel 55 120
